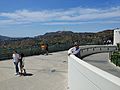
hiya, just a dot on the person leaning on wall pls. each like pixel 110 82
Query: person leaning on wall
pixel 75 50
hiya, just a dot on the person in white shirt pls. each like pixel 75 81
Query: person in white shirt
pixel 75 50
pixel 16 61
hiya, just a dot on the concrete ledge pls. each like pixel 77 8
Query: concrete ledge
pixel 92 49
pixel 83 76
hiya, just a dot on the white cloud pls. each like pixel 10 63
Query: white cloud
pixel 68 16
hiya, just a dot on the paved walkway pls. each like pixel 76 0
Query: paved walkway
pixel 101 60
pixel 47 72
pixel 43 73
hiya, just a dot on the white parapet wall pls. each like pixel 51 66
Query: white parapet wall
pixel 91 49
pixel 116 36
pixel 83 76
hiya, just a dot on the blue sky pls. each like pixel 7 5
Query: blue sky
pixel 28 18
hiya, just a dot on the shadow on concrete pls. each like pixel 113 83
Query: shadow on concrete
pixel 28 74
pixel 95 61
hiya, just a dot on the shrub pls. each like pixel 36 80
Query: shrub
pixel 115 58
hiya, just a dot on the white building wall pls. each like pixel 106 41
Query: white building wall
pixel 116 36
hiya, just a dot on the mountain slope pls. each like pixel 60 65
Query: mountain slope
pixel 59 37
pixel 4 37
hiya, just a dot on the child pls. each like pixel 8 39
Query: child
pixel 22 64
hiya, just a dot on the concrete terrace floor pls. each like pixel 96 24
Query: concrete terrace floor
pixel 48 72
pixel 43 73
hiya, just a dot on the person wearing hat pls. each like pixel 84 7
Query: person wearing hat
pixel 75 50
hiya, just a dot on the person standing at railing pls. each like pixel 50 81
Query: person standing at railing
pixel 75 50
pixel 46 49
pixel 43 49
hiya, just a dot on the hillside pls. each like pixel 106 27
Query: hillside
pixel 57 41
pixel 4 38
pixel 59 37
pixel 82 38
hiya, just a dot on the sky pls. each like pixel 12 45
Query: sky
pixel 29 18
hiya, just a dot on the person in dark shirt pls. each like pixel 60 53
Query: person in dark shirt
pixel 22 64
pixel 46 49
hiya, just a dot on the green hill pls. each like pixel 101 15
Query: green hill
pixel 57 41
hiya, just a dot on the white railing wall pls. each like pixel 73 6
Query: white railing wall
pixel 88 50
pixel 83 76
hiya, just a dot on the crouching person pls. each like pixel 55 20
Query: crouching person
pixel 22 69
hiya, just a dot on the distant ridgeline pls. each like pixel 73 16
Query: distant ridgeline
pixel 57 41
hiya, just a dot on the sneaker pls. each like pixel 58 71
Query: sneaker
pixel 16 73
